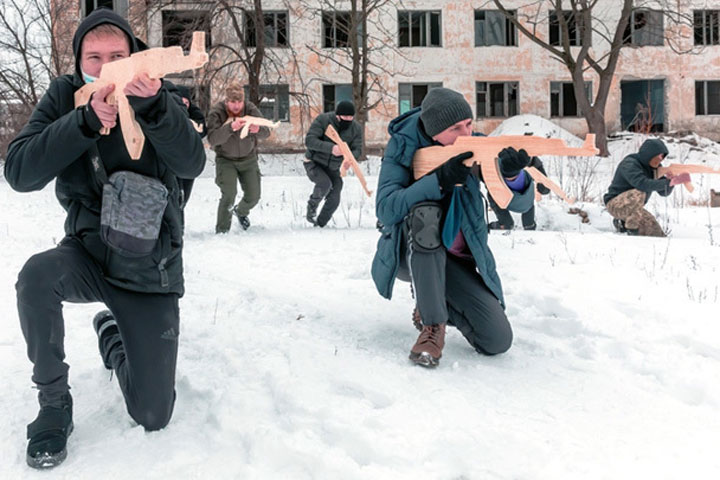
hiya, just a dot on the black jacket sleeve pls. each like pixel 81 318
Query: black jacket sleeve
pixel 639 178
pixel 537 163
pixel 49 142
pixel 314 141
pixel 356 142
pixel 175 140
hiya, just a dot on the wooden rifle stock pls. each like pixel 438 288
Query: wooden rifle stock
pixel 347 154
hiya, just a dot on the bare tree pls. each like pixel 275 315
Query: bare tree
pixel 359 42
pixel 240 42
pixel 577 22
pixel 32 54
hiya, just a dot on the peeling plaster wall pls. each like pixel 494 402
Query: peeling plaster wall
pixel 458 64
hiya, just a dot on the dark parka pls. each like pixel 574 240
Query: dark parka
pixel 54 145
pixel 397 193
pixel 319 147
pixel 635 172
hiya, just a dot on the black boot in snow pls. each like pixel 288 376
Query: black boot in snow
pixel 311 213
pixel 108 335
pixel 48 434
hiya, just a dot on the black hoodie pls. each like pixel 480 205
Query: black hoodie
pixel 635 172
pixel 54 146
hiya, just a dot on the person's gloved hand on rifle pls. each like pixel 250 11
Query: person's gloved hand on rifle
pixel 453 171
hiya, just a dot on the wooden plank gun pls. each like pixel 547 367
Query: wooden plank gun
pixel 156 62
pixel 347 154
pixel 678 168
pixel 250 120
pixel 485 151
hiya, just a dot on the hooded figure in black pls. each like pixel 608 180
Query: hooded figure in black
pixel 138 334
pixel 634 181
pixel 323 159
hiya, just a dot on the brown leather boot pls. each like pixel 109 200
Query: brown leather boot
pixel 428 349
pixel 417 320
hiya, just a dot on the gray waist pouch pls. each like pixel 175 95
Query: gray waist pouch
pixel 132 210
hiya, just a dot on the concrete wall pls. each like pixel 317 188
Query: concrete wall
pixel 458 64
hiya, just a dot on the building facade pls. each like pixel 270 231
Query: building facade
pixel 468 46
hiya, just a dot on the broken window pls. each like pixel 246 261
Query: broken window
pixel 274 102
pixel 334 94
pixel 419 29
pixel 707 97
pixel 496 99
pixel 705 23
pixel 179 25
pixel 119 6
pixel 574 28
pixel 275 29
pixel 645 28
pixel 492 27
pixel 411 94
pixel 563 102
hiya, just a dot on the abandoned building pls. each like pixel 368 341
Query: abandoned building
pixel 667 76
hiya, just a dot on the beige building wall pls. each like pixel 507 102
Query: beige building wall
pixel 458 64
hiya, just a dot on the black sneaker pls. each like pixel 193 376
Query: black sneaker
pixel 48 434
pixel 619 225
pixel 108 335
pixel 244 222
pixel 530 227
pixel 497 226
pixel 310 214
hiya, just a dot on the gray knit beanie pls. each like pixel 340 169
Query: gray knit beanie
pixel 442 108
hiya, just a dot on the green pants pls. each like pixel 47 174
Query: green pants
pixel 227 175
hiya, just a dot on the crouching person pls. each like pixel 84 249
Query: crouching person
pixel 135 272
pixel 434 231
pixel 634 181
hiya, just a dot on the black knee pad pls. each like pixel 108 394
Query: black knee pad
pixel 423 224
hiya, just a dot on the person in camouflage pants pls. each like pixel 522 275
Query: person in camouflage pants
pixel 629 208
pixel 634 181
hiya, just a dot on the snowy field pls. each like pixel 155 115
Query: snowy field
pixel 291 366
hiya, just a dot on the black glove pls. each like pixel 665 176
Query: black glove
pixel 453 171
pixel 512 161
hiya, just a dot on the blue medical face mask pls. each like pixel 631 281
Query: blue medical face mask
pixel 88 78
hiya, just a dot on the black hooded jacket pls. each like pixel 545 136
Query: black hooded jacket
pixel 635 172
pixel 54 146
pixel 319 147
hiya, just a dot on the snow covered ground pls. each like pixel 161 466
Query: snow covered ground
pixel 292 366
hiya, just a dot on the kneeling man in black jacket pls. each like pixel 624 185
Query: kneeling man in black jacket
pixel 138 335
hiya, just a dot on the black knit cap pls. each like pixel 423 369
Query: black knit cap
pixel 184 91
pixel 345 108
pixel 98 17
pixel 442 108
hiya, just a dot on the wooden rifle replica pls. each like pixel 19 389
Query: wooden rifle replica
pixel 156 62
pixel 347 154
pixel 485 151
pixel 250 120
pixel 678 168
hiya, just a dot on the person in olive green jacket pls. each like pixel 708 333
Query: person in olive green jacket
pixel 236 158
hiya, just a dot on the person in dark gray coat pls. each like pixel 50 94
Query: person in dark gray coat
pixel 634 181
pixel 323 159
pixel 138 337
